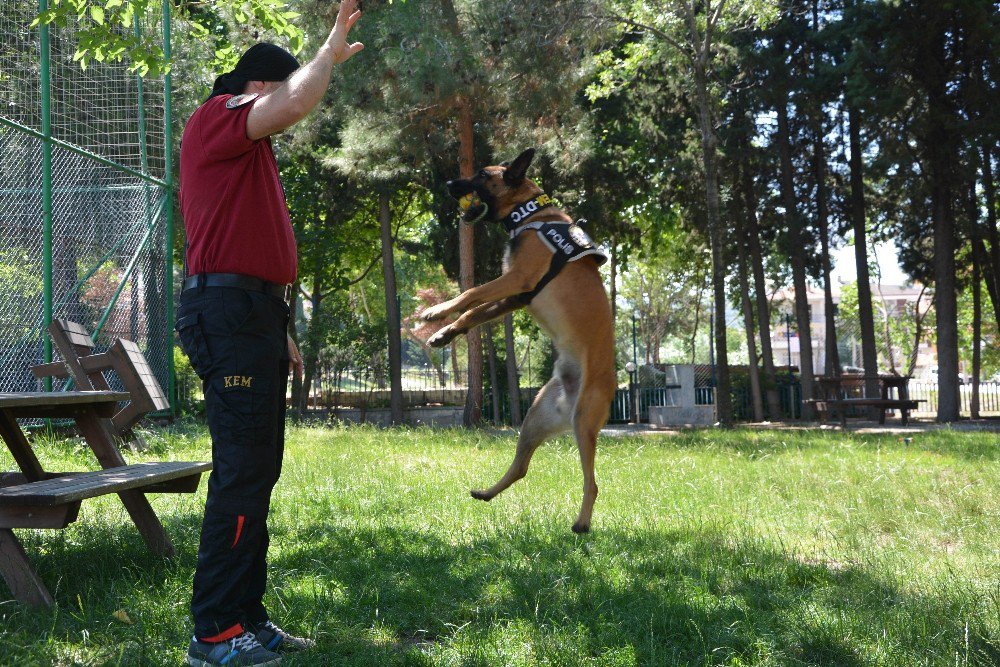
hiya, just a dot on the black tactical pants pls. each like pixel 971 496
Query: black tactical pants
pixel 236 341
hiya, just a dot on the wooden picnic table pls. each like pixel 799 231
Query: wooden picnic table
pixel 839 392
pixel 35 498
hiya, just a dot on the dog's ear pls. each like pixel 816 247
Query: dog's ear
pixel 519 167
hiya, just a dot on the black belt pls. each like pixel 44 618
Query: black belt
pixel 235 280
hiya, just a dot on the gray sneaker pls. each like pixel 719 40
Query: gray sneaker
pixel 241 651
pixel 274 638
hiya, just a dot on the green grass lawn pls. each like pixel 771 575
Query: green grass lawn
pixel 708 548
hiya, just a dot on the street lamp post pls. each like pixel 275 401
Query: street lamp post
pixel 631 367
pixel 632 391
pixel 791 376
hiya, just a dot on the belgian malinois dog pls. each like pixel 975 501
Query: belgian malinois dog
pixel 551 268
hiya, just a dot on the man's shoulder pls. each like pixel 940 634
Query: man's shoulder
pixel 222 103
pixel 237 101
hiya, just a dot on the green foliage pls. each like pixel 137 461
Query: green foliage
pixel 110 30
pixel 667 291
pixel 21 279
pixel 896 328
pixel 188 383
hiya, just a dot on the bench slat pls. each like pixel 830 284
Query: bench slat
pixel 78 486
pixel 54 516
pixel 32 399
pixel 877 402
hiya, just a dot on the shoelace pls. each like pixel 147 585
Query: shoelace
pixel 245 642
pixel 274 628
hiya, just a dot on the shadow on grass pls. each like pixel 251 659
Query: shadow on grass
pixel 678 597
pixel 646 597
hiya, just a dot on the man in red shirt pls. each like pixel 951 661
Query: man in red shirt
pixel 232 322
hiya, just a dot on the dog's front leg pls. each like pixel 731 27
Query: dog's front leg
pixel 473 318
pixel 507 285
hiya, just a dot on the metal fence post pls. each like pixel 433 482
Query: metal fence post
pixel 168 176
pixel 45 84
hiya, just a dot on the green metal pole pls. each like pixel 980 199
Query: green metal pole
pixel 168 176
pixel 45 83
pixel 132 264
pixel 143 150
pixel 81 151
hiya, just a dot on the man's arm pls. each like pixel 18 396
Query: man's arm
pixel 304 89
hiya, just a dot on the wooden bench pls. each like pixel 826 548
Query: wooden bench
pixel 840 392
pixel 35 498
pixel 54 502
pixel 75 346
pixel 828 406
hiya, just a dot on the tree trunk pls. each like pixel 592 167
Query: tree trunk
pixel 472 415
pixel 454 362
pixel 293 331
pixel 310 352
pixel 797 246
pixel 391 311
pixel 697 321
pixel 760 288
pixel 614 283
pixel 977 334
pixel 723 397
pixel 938 145
pixel 866 316
pixel 491 353
pixel 832 355
pixel 467 279
pixel 990 260
pixel 945 303
pixel 755 394
pixel 513 382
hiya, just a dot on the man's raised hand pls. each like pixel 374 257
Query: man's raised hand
pixel 347 15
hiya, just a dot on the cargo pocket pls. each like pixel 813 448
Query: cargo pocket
pixel 244 413
pixel 192 338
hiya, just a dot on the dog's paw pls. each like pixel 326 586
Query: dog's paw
pixel 442 337
pixel 580 528
pixel 481 495
pixel 435 313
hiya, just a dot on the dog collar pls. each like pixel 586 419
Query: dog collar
pixel 525 210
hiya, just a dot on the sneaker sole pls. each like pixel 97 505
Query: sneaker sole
pixel 195 662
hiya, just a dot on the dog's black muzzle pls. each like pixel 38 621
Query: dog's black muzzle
pixel 458 188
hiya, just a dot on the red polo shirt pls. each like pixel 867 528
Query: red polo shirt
pixel 235 214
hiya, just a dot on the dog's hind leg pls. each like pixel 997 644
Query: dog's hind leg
pixel 549 415
pixel 589 416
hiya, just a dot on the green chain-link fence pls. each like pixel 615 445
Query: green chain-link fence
pixel 85 216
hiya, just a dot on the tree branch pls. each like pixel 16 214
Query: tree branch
pixel 650 29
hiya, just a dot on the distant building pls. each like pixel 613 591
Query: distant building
pixel 897 301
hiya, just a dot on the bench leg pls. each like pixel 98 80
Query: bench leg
pixel 146 521
pixel 906 416
pixel 100 440
pixel 18 573
pixel 881 416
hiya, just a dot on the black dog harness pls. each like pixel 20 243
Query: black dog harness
pixel 568 243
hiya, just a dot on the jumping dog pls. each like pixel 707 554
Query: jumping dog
pixel 550 267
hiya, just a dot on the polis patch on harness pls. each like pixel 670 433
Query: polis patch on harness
pixel 568 243
pixel 237 101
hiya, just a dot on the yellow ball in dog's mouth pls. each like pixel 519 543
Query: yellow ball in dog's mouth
pixel 468 201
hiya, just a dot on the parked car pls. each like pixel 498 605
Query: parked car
pixel 933 376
